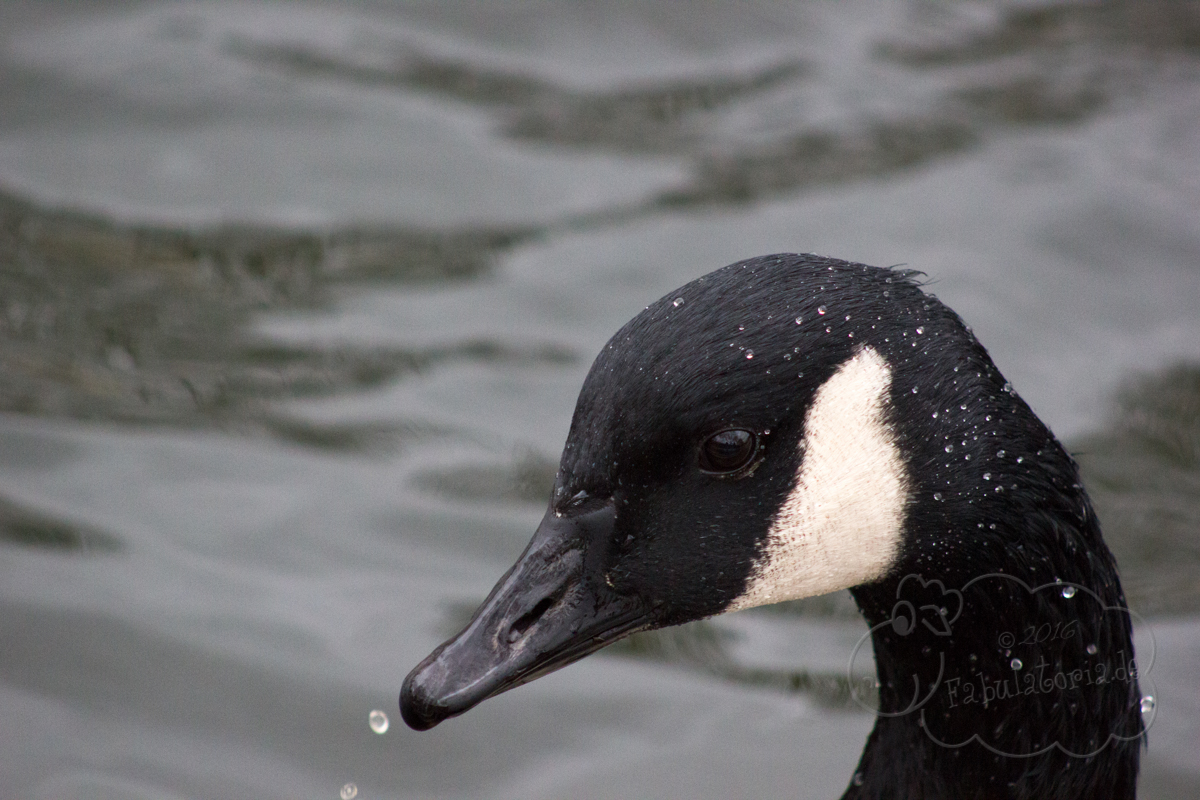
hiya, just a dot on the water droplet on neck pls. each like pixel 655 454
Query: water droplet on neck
pixel 378 721
pixel 1068 592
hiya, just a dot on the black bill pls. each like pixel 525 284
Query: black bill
pixel 553 607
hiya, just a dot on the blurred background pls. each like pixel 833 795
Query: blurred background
pixel 296 298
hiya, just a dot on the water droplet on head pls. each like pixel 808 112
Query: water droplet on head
pixel 1068 592
pixel 858 779
pixel 949 448
pixel 937 495
pixel 920 329
pixel 741 327
pixel 935 415
pixel 378 721
pixel 799 320
pixel 1016 663
pixel 999 454
pixel 821 310
pixel 677 302
pixel 349 792
pixel 1147 704
pixel 1092 649
pixel 987 476
pixel 749 354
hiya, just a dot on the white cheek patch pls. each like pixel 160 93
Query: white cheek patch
pixel 841 524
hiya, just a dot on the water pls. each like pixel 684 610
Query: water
pixel 296 298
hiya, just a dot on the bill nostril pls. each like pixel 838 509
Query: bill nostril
pixel 530 619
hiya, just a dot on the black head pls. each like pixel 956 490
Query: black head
pixel 784 426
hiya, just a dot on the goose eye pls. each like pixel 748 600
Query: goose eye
pixel 728 451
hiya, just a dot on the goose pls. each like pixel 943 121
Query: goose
pixel 792 425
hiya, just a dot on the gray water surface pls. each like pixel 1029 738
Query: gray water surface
pixel 296 299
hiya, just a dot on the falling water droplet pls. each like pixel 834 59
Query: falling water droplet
pixel 1091 649
pixel 677 302
pixel 1016 663
pixel 349 792
pixel 1147 704
pixel 821 310
pixel 1068 592
pixel 378 721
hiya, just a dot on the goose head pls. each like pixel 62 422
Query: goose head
pixel 783 427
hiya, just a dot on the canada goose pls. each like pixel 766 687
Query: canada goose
pixel 792 425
